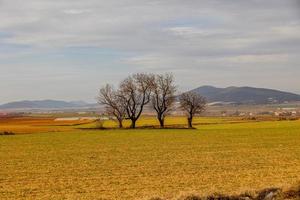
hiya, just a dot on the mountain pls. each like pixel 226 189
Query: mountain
pixel 44 104
pixel 239 95
pixel 246 95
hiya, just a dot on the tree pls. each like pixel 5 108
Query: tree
pixel 193 104
pixel 163 96
pixel 114 103
pixel 136 91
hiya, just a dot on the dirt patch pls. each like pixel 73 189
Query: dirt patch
pixel 266 194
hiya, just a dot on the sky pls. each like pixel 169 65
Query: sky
pixel 68 49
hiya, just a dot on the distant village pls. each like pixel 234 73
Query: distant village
pixel 280 111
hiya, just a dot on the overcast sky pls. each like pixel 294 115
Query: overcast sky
pixel 67 49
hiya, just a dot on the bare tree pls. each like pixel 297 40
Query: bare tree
pixel 193 104
pixel 136 91
pixel 163 96
pixel 114 103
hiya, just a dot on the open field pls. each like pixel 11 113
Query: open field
pixel 42 124
pixel 71 160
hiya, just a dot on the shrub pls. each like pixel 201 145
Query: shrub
pixel 7 133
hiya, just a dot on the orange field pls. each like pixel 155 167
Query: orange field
pixel 26 125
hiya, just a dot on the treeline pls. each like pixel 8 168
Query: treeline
pixel 136 91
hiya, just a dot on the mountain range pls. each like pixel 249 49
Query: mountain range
pixel 246 95
pixel 45 104
pixel 237 95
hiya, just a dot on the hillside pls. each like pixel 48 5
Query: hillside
pixel 246 95
pixel 239 95
pixel 43 104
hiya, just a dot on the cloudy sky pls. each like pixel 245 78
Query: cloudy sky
pixel 67 49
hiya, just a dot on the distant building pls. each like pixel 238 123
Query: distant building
pixel 286 113
pixel 2 114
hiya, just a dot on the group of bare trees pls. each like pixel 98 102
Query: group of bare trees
pixel 136 91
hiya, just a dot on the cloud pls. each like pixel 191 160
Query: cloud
pixel 75 11
pixel 196 38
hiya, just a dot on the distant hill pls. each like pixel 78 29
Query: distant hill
pixel 238 95
pixel 246 95
pixel 44 104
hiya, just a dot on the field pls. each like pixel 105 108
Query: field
pixel 73 160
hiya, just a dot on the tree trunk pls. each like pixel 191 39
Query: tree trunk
pixel 161 122
pixel 190 120
pixel 133 123
pixel 120 123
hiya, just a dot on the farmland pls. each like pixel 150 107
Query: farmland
pixel 74 160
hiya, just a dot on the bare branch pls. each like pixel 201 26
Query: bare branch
pixel 114 103
pixel 163 96
pixel 193 104
pixel 136 91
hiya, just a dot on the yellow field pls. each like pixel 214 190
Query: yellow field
pixel 72 160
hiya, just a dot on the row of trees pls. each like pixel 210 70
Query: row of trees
pixel 136 91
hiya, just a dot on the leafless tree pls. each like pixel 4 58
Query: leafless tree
pixel 136 91
pixel 193 104
pixel 163 96
pixel 114 103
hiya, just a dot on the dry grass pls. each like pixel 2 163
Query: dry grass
pixel 26 125
pixel 221 156
pixel 265 194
